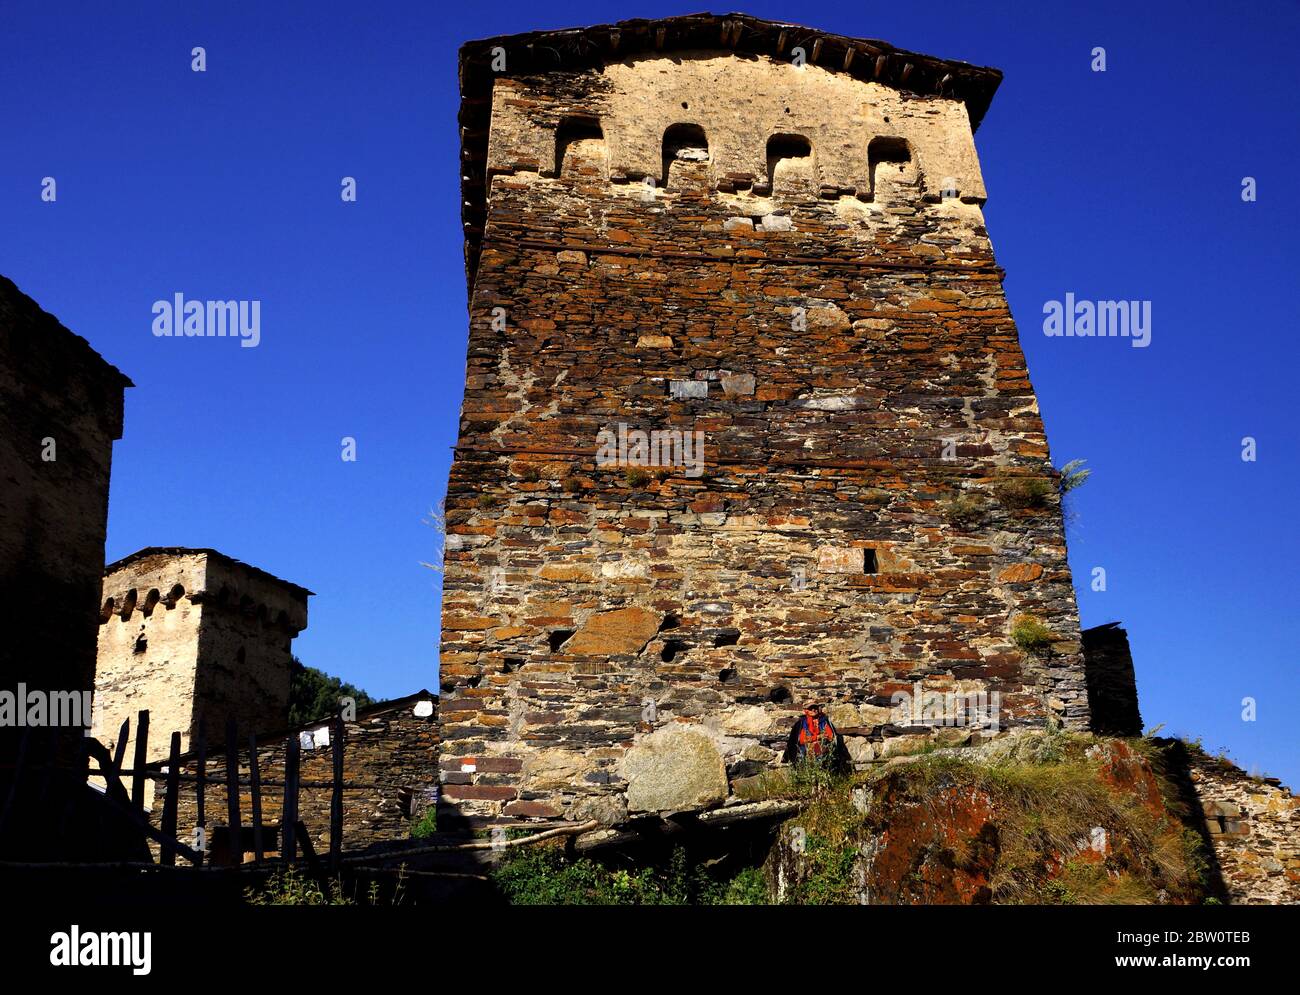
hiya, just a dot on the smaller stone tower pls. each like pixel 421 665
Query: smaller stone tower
pixel 197 638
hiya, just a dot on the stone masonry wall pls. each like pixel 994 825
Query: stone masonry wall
pixel 876 506
pixel 1254 826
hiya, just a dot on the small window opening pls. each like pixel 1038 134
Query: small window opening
pixel 128 604
pixel 151 602
pixel 728 638
pixel 558 638
pixel 141 644
pixel 782 149
pixel 728 675
pixel 572 131
pixel 683 143
pixel 869 564
pixel 886 157
pixel 779 695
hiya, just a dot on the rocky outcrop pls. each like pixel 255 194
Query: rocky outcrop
pixel 1031 818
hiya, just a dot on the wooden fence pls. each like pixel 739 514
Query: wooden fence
pixel 130 805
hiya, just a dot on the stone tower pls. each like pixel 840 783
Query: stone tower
pixel 195 637
pixel 60 412
pixel 746 419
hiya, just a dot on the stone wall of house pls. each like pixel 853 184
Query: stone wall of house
pixel 389 764
pixel 60 412
pixel 1253 823
pixel 196 638
pixel 876 506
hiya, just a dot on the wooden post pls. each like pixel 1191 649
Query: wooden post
pixel 289 817
pixel 167 856
pixel 119 751
pixel 336 795
pixel 141 758
pixel 232 796
pixel 201 760
pixel 255 793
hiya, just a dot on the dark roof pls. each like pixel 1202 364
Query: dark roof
pixel 578 48
pixel 41 322
pixel 140 554
pixel 217 747
pixel 1107 631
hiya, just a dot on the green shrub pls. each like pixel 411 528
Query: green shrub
pixel 749 887
pixel 289 887
pixel 1073 475
pixel 1022 492
pixel 636 477
pixel 963 510
pixel 425 825
pixel 1030 634
pixel 543 875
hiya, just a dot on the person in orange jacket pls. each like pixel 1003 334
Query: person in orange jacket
pixel 814 737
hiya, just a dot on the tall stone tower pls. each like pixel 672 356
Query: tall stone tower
pixel 60 411
pixel 746 419
pixel 197 638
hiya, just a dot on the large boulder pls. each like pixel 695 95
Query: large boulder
pixel 675 769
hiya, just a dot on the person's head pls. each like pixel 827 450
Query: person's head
pixel 812 710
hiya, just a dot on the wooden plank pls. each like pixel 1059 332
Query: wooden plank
pixel 289 817
pixel 168 855
pixel 337 731
pixel 255 791
pixel 119 751
pixel 201 775
pixel 233 828
pixel 141 758
pixel 201 760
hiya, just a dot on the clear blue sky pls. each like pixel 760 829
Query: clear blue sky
pixel 225 184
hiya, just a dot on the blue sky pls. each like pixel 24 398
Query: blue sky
pixel 225 184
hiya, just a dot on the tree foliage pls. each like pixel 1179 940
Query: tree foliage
pixel 314 694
